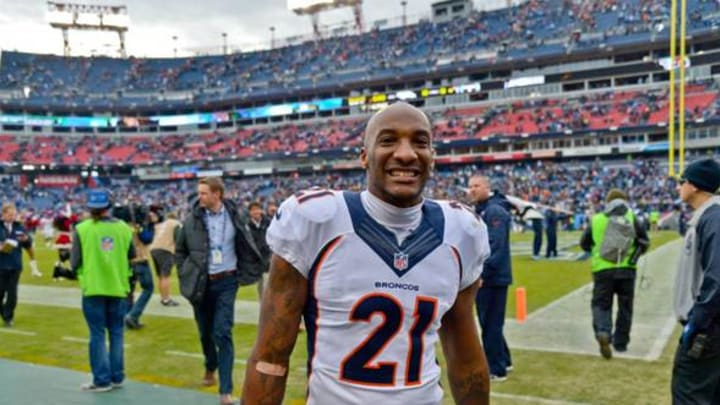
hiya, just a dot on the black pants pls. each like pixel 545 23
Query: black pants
pixel 697 381
pixel 490 302
pixel 551 249
pixel 8 293
pixel 607 284
pixel 537 227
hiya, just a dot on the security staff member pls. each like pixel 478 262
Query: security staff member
pixel 101 253
pixel 613 278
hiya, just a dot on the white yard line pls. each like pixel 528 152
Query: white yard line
pixel 84 340
pixel 537 400
pixel 659 344
pixel 13 331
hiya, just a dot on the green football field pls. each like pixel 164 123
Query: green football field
pixel 167 350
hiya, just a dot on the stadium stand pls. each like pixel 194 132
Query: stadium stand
pixel 531 30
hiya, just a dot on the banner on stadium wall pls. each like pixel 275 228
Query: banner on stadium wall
pixel 665 62
pixel 543 154
pixel 589 150
pixel 57 180
pixel 632 148
pixel 505 156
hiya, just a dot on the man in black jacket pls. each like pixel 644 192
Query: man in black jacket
pixel 215 254
pixel 13 238
pixel 496 276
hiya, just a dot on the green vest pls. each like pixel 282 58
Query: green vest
pixel 105 268
pixel 598 225
pixel 654 217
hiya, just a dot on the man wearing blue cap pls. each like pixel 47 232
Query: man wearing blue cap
pixel 101 253
pixel 696 369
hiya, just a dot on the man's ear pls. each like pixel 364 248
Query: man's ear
pixel 363 159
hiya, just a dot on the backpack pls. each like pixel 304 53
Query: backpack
pixel 619 237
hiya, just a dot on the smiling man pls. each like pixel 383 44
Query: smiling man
pixel 379 277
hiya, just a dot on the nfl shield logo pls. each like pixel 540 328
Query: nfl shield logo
pixel 401 261
pixel 107 244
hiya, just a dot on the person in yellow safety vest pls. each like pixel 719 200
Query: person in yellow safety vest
pixel 654 220
pixel 614 268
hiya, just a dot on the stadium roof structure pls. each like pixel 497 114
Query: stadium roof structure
pixel 313 8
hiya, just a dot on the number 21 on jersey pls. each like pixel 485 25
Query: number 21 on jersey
pixel 358 367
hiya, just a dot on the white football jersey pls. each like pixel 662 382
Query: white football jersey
pixel 374 307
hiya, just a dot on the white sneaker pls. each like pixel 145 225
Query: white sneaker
pixel 90 387
pixel 498 378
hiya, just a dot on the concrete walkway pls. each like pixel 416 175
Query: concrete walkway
pixel 565 325
pixel 31 384
pixel 562 326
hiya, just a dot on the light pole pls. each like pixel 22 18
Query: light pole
pixel 272 37
pixel 174 37
pixel 403 3
pixel 225 48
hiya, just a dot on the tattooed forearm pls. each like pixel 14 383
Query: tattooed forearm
pixel 280 313
pixel 471 389
pixel 466 364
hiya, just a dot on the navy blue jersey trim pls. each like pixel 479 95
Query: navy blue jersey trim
pixel 420 243
pixel 310 312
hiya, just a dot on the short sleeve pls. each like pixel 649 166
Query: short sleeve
pixel 297 232
pixel 286 233
pixel 477 253
pixel 466 231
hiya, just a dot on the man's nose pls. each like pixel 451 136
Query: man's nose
pixel 405 151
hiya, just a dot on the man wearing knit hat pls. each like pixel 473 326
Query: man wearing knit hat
pixel 696 369
pixel 615 240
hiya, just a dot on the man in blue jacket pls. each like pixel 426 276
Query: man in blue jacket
pixel 496 276
pixel 696 369
pixel 13 238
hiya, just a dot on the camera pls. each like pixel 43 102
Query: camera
pixel 131 213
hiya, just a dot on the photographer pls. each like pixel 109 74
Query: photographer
pixel 142 222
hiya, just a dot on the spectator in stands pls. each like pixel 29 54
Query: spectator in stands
pixel 13 239
pixel 101 252
pixel 215 254
pixel 696 368
pixel 491 298
pixel 162 251
pixel 615 240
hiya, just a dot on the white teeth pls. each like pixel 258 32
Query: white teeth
pixel 402 173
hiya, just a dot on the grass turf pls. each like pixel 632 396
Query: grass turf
pixel 567 377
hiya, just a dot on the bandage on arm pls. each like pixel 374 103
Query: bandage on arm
pixel 266 368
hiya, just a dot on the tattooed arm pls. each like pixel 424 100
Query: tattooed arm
pixel 282 305
pixel 466 363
